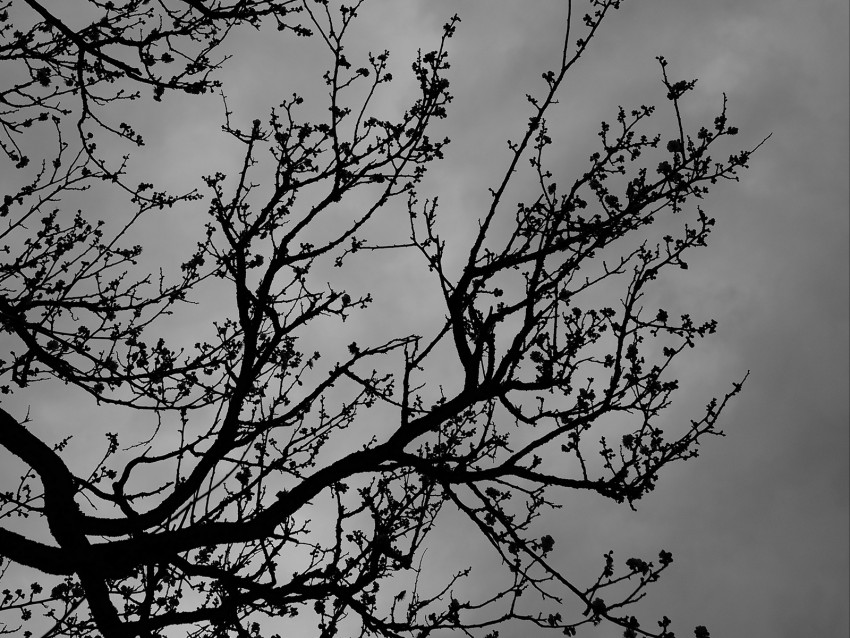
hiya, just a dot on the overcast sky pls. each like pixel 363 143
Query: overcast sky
pixel 758 524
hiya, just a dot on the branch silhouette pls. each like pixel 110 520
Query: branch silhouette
pixel 195 529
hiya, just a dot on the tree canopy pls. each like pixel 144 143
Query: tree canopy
pixel 286 475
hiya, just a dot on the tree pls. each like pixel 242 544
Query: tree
pixel 194 531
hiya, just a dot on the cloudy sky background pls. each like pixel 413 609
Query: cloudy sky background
pixel 758 525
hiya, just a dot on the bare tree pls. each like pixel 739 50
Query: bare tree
pixel 196 537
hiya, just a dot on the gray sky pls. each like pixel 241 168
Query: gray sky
pixel 758 525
